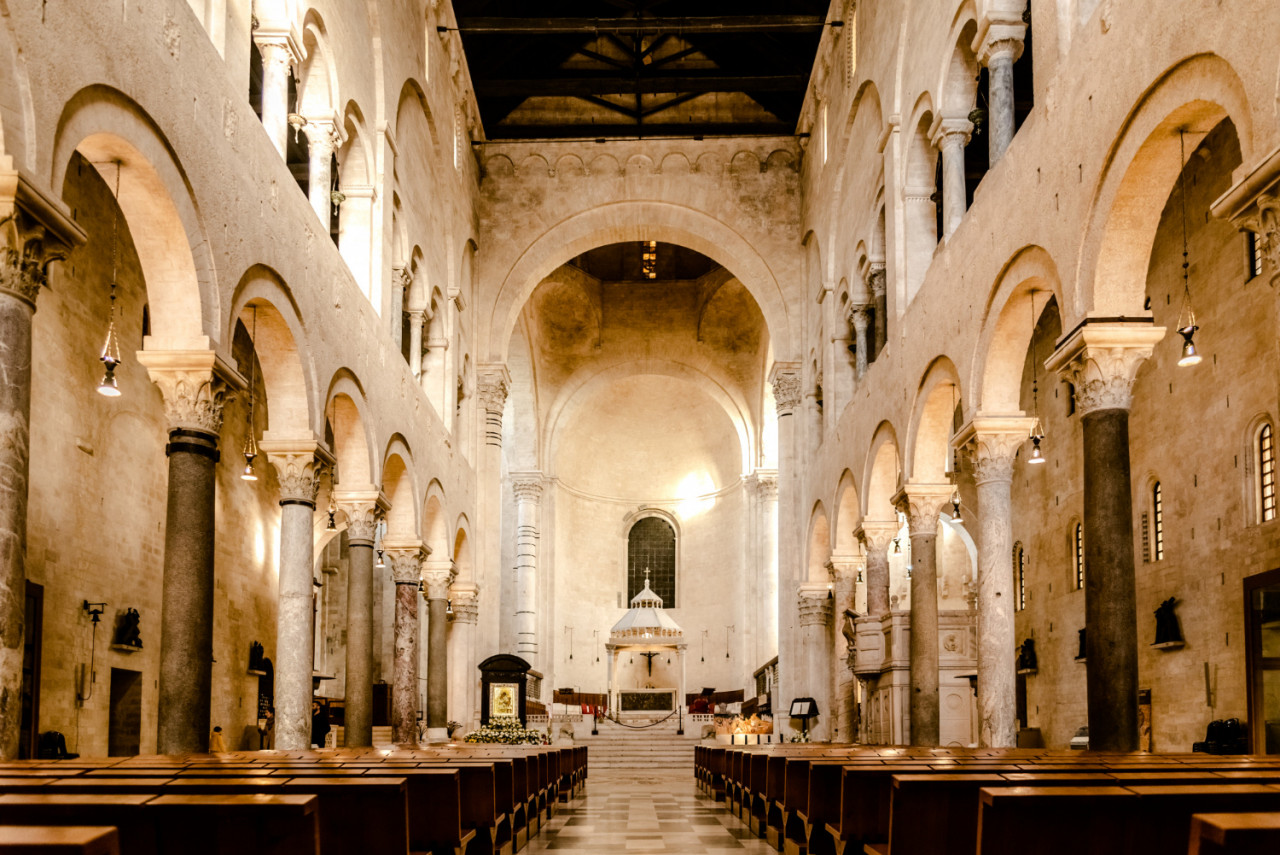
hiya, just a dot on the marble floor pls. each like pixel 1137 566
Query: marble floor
pixel 639 814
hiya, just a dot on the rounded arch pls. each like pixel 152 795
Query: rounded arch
pixel 399 486
pixel 634 221
pixel 318 92
pixel 351 433
pixel 882 474
pixel 818 552
pixel 847 515
pixel 919 192
pixel 435 526
pixel 463 563
pixel 958 78
pixel 264 301
pixel 932 423
pixel 17 112
pixel 1139 171
pixel 1007 327
pixel 412 95
pixel 159 208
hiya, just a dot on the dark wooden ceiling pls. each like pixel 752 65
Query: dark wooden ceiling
pixel 650 68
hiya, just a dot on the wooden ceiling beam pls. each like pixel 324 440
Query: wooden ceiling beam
pixel 612 85
pixel 728 24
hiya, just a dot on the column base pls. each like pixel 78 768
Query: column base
pixel 437 735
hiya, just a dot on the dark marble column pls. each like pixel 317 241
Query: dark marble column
pixel 1000 50
pixel 361 511
pixel 876 537
pixel 1101 360
pixel 438 576
pixel 921 503
pixel 406 571
pixel 877 281
pixel 194 386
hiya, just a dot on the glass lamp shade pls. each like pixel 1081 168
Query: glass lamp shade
pixel 107 387
pixel 1190 356
pixel 1037 456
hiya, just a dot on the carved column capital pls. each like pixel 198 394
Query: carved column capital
pixel 845 569
pixel 527 487
pixel 953 133
pixel 299 466
pixel 922 503
pixel 993 444
pixel 363 509
pixel 195 385
pixel 35 231
pixel 787 391
pixel 877 278
pixel 815 605
pixel 323 137
pixel 766 485
pixel 276 48
pixel 438 576
pixel 492 387
pixel 876 535
pixel 466 603
pixel 1101 360
pixel 406 562
pixel 859 318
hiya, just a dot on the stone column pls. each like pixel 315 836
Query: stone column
pixel 876 535
pixel 994 443
pixel 858 319
pixel 438 575
pixel 492 384
pixel 814 602
pixel 787 396
pixel 194 385
pixel 877 283
pixel 28 250
pixel 401 282
pixel 763 544
pixel 951 138
pixel 844 573
pixel 406 572
pixel 416 318
pixel 362 511
pixel 277 66
pixel 921 503
pixel 463 675
pixel 322 140
pixel 999 49
pixel 527 487
pixel 1101 360
pixel 298 469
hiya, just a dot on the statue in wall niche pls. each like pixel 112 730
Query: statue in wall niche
pixel 256 657
pixel 127 634
pixel 1027 655
pixel 1167 628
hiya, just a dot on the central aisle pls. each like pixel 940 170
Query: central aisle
pixel 638 814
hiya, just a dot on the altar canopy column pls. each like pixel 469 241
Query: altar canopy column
pixel 844 571
pixel 463 673
pixel 613 681
pixel 194 385
pixel 994 443
pixel 438 576
pixel 998 48
pixel 362 510
pixel 406 571
pixel 814 602
pixel 1101 360
pixel 278 56
pixel 921 503
pixel 681 703
pixel 951 138
pixel 787 397
pixel 527 487
pixel 30 245
pixel 322 140
pixel 298 466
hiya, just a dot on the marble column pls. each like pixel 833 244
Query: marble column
pixel 24 261
pixel 876 535
pixel 322 141
pixel 994 443
pixel 362 511
pixel 406 572
pixel 401 282
pixel 951 138
pixel 877 283
pixel 416 318
pixel 463 675
pixel 999 51
pixel 277 66
pixel 844 571
pixel 492 385
pixel 814 602
pixel 921 503
pixel 763 547
pixel 858 319
pixel 527 487
pixel 194 385
pixel 787 396
pixel 438 576
pixel 1101 360
pixel 298 472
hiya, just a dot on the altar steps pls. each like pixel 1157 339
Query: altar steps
pixel 652 748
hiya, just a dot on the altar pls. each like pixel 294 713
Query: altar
pixel 648 700
pixel 645 629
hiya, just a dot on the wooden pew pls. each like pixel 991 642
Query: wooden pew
pixel 67 840
pixel 1235 834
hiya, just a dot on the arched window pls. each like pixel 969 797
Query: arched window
pixel 651 547
pixel 1019 577
pixel 1266 469
pixel 1077 543
pixel 1157 522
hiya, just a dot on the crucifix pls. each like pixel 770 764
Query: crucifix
pixel 650 656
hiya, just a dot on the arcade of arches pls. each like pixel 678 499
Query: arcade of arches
pixel 866 346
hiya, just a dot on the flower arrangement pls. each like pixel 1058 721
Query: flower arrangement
pixel 506 730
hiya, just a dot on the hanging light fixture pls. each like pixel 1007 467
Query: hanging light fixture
pixel 333 509
pixel 859 579
pixel 110 357
pixel 955 507
pixel 897 546
pixel 1186 315
pixel 448 607
pixel 379 534
pixel 333 473
pixel 1037 429
pixel 250 443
